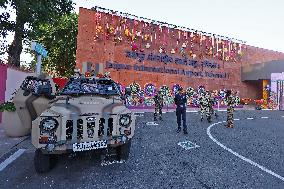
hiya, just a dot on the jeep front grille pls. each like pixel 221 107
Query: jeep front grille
pixel 69 129
pixel 80 129
pixel 110 127
pixel 90 127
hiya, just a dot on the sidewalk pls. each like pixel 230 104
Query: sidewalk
pixel 7 143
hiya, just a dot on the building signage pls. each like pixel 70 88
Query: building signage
pixel 168 60
pixel 137 67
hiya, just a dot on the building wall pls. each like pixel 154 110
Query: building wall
pixel 103 50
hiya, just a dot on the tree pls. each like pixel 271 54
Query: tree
pixel 29 15
pixel 60 39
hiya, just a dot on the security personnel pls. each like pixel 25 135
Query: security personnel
pixel 208 106
pixel 230 100
pixel 180 101
pixel 158 99
pixel 204 102
pixel 211 104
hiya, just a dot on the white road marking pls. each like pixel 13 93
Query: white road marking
pixel 264 117
pixel 12 158
pixel 151 123
pixel 222 110
pixel 250 118
pixel 240 156
pixel 282 116
pixel 236 119
pixel 192 111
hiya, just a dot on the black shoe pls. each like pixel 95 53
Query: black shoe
pixel 155 119
pixel 185 132
pixel 179 129
pixel 201 119
pixel 209 120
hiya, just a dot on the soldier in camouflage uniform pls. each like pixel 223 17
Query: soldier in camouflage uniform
pixel 158 99
pixel 211 104
pixel 230 100
pixel 204 101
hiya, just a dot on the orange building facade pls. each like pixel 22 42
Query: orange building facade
pixel 143 51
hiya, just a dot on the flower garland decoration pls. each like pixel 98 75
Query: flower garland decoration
pixel 134 87
pixel 237 101
pixel 221 48
pixel 175 88
pixel 141 96
pixel 149 101
pixel 165 90
pixel 201 89
pixel 190 92
pixel 222 93
pixel 168 100
pixel 150 89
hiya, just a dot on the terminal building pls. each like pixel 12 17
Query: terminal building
pixel 136 49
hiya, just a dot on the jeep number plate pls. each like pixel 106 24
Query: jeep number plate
pixel 89 145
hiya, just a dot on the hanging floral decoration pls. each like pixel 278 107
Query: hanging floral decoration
pixel 215 93
pixel 237 100
pixel 141 94
pixel 134 87
pixel 165 90
pixel 175 88
pixel 190 92
pixel 222 93
pixel 149 101
pixel 147 33
pixel 150 89
pixel 201 89
pixel 168 100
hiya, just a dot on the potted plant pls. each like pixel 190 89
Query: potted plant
pixel 11 121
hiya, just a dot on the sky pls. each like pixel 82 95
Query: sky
pixel 258 22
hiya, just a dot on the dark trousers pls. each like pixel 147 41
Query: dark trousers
pixel 181 114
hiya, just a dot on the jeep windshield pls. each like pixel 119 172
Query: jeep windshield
pixel 90 86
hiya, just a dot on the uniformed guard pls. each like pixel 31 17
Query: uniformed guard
pixel 204 103
pixel 180 101
pixel 230 101
pixel 201 105
pixel 208 106
pixel 158 99
pixel 211 106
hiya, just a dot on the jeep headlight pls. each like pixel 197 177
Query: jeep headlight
pixel 49 124
pixel 125 120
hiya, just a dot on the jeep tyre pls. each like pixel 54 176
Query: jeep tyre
pixel 42 162
pixel 123 151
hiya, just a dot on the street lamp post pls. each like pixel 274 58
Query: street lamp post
pixel 40 52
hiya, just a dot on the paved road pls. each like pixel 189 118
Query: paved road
pixel 156 161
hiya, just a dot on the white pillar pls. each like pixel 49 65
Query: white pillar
pixel 38 65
